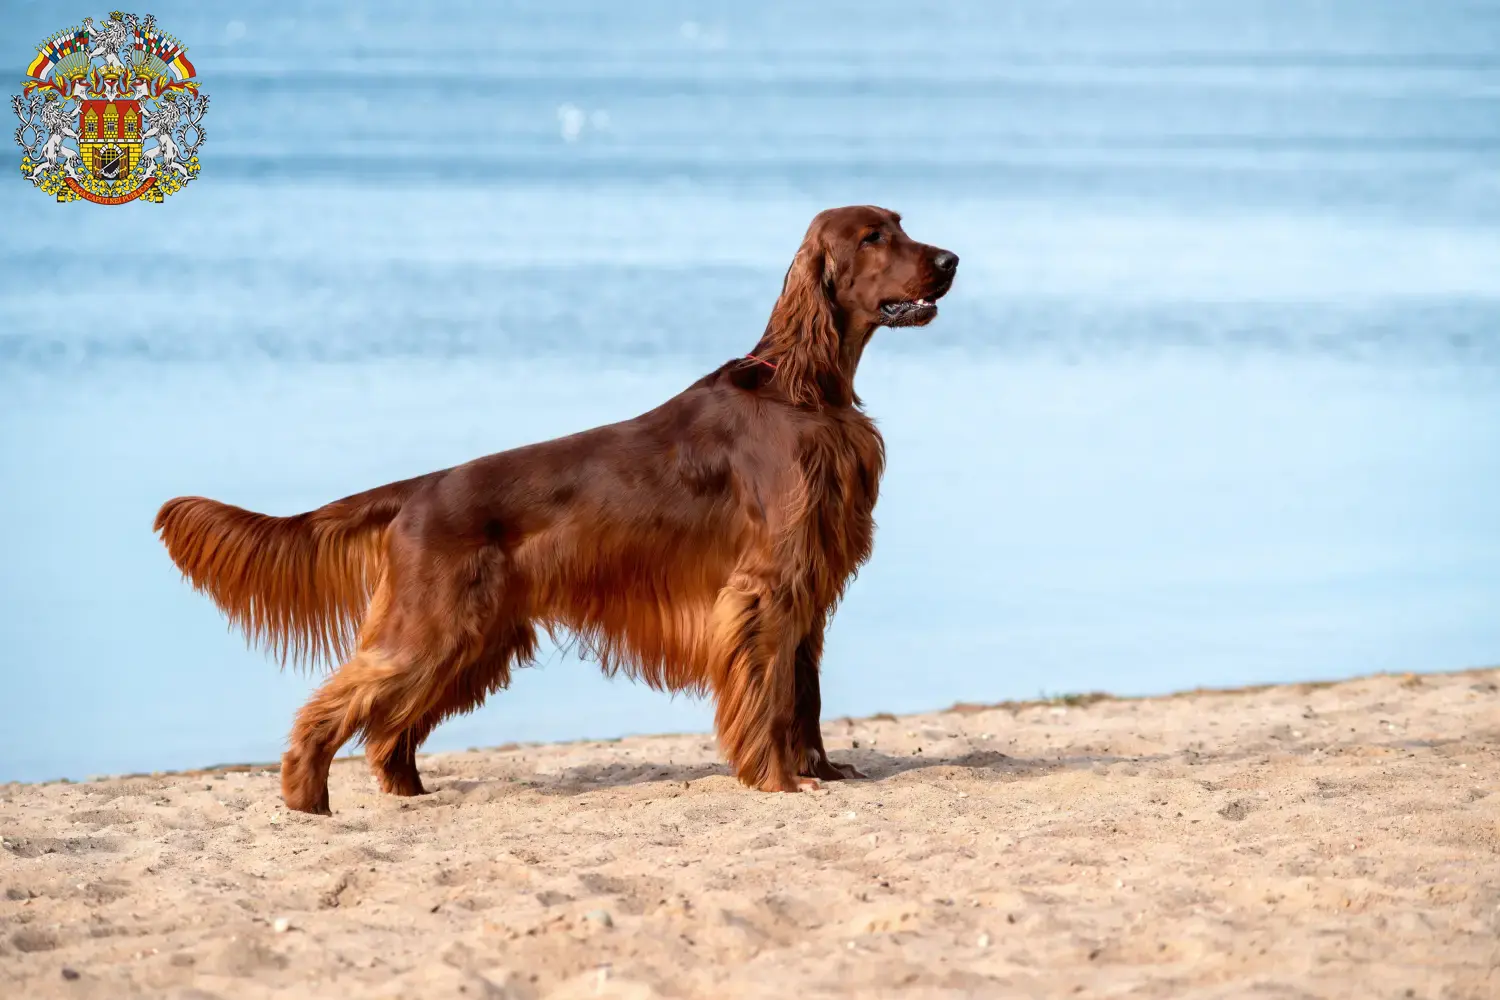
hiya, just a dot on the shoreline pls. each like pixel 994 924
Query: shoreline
pixel 1072 700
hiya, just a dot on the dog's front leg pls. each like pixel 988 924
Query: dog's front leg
pixel 755 681
pixel 813 759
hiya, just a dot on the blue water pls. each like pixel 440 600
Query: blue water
pixel 1215 400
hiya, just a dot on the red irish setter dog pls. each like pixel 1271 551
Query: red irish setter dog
pixel 699 547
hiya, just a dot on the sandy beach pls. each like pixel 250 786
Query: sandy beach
pixel 1306 840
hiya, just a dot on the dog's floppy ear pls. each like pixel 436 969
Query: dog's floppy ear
pixel 802 337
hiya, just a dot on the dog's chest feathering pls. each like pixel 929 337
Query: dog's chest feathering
pixel 842 463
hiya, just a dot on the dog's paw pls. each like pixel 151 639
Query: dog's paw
pixel 827 770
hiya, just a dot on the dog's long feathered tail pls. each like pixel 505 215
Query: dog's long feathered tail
pixel 296 586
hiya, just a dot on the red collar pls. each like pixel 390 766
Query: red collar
pixel 769 364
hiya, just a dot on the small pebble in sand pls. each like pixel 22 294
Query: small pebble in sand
pixel 984 940
pixel 600 917
pixel 281 925
pixel 963 795
pixel 850 815
pixel 69 974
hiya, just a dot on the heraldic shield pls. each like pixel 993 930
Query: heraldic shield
pixel 109 137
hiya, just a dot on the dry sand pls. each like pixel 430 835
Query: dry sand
pixel 1291 841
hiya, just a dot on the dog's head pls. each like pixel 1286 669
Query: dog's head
pixel 856 270
pixel 872 273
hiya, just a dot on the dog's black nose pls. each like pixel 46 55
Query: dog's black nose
pixel 945 260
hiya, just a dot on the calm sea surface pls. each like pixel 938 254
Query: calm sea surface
pixel 1215 400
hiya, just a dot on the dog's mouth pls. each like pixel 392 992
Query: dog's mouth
pixel 910 312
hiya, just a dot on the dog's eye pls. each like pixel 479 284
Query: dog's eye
pixel 871 238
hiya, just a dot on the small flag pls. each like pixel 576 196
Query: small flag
pixel 181 68
pixel 41 65
pixel 152 42
pixel 54 51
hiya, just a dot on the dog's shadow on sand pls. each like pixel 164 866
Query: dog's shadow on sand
pixel 876 766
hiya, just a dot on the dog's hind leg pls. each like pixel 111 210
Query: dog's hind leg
pixel 392 752
pixel 442 632
pixel 397 771
pixel 393 681
pixel 380 696
pixel 338 711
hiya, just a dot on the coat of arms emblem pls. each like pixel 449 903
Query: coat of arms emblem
pixel 110 113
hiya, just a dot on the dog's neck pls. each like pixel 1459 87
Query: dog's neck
pixel 816 364
pixel 851 349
